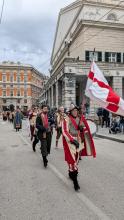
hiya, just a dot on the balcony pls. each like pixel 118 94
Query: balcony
pixel 11 97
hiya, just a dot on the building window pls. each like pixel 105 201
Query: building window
pixel 11 93
pixel 11 78
pixel 25 79
pixel 4 101
pixel 90 55
pixel 4 78
pixel 4 93
pixel 18 93
pixel 25 101
pixel 113 57
pixel 25 93
pixel 11 86
pixel 4 86
pixel 18 79
pixel 18 101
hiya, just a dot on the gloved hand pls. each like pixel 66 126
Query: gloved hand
pixel 75 143
pixel 80 128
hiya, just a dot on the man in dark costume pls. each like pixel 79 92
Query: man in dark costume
pixel 44 133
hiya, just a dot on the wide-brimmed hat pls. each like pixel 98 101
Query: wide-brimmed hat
pixel 72 107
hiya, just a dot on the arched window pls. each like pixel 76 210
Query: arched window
pixel 112 17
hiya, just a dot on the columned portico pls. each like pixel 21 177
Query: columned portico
pixel 68 90
pixel 52 95
pixel 57 94
pixel 69 82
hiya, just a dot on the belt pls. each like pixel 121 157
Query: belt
pixel 74 135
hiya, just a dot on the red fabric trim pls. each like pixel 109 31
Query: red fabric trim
pixel 66 132
pixel 68 156
pixel 45 120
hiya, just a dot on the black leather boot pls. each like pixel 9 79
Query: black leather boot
pixel 45 161
pixel 33 146
pixel 70 174
pixel 75 181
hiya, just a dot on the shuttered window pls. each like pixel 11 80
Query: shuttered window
pixel 112 57
pixel 100 56
pixel 89 55
pixel 106 56
pixel 118 57
pixel 87 58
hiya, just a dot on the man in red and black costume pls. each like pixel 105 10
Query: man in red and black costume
pixel 76 138
pixel 44 133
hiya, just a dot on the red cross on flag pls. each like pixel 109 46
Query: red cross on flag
pixel 99 91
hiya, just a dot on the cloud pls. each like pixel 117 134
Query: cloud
pixel 27 31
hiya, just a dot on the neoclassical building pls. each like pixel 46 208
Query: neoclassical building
pixel 83 26
pixel 20 85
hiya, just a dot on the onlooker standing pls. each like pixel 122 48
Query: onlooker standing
pixel 18 120
pixel 122 123
pixel 99 114
pixel 105 118
pixel 4 116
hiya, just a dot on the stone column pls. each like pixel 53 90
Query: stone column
pixel 57 94
pixel 117 85
pixel 45 97
pixel 60 93
pixel 52 97
pixel 69 90
pixel 48 97
pixel 50 102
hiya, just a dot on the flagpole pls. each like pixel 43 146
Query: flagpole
pixel 96 122
pixel 92 62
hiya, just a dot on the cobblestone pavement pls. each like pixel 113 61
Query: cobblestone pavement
pixel 30 192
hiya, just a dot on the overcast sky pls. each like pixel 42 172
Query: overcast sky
pixel 27 31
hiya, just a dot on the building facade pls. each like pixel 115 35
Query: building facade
pixel 20 85
pixel 83 26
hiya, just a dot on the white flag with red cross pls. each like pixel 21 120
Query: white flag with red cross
pixel 99 91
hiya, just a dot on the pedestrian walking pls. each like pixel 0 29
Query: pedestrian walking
pixel 18 119
pixel 32 120
pixel 76 139
pixel 58 123
pixel 122 124
pixel 36 139
pixel 4 116
pixel 44 133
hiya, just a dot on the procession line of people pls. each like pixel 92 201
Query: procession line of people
pixel 76 136
pixel 70 125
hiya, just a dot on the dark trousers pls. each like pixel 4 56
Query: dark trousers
pixel 32 130
pixel 46 144
pixel 106 121
pixel 36 140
